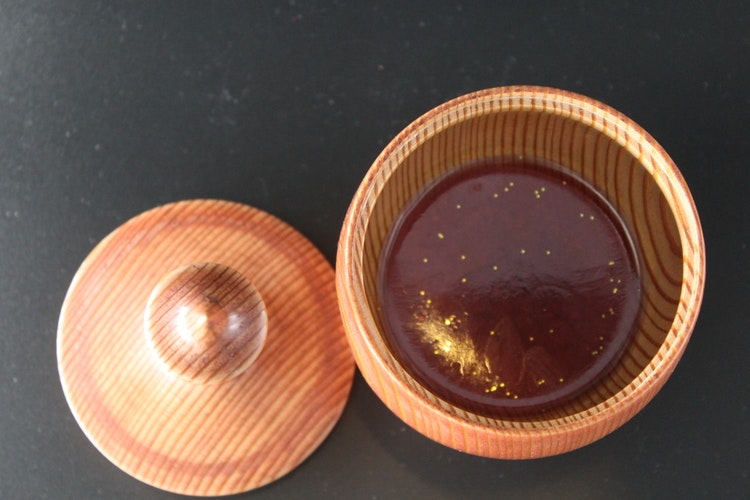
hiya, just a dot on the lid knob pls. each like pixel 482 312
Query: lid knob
pixel 206 322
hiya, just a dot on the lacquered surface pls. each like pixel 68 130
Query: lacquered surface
pixel 508 287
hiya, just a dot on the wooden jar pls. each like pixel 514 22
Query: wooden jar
pixel 609 152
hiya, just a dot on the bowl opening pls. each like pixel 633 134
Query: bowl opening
pixel 589 150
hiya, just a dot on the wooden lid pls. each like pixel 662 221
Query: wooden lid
pixel 201 350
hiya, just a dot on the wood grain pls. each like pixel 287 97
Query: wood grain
pixel 158 339
pixel 596 143
pixel 206 322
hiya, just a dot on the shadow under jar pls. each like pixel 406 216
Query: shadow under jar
pixel 520 271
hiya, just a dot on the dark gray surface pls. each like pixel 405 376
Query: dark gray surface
pixel 107 110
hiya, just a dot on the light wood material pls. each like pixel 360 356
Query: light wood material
pixel 607 150
pixel 206 322
pixel 201 350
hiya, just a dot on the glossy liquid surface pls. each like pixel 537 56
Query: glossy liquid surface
pixel 508 288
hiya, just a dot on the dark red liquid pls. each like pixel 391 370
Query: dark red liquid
pixel 508 288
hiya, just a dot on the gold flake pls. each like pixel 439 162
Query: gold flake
pixel 562 379
pixel 581 215
pixel 495 195
pixel 458 206
pixel 421 292
pixel 505 189
pixel 511 184
pixel 515 396
pixel 494 268
pixel 540 381
pixel 552 330
pixel 548 252
pixel 463 280
pixel 492 332
pixel 441 235
pixel 463 257
pixel 453 345
pixel 611 262
pixel 425 260
pixel 614 290
pixel 531 339
pixel 591 217
pixel 523 250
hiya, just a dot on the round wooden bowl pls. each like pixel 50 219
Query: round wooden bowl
pixel 609 152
